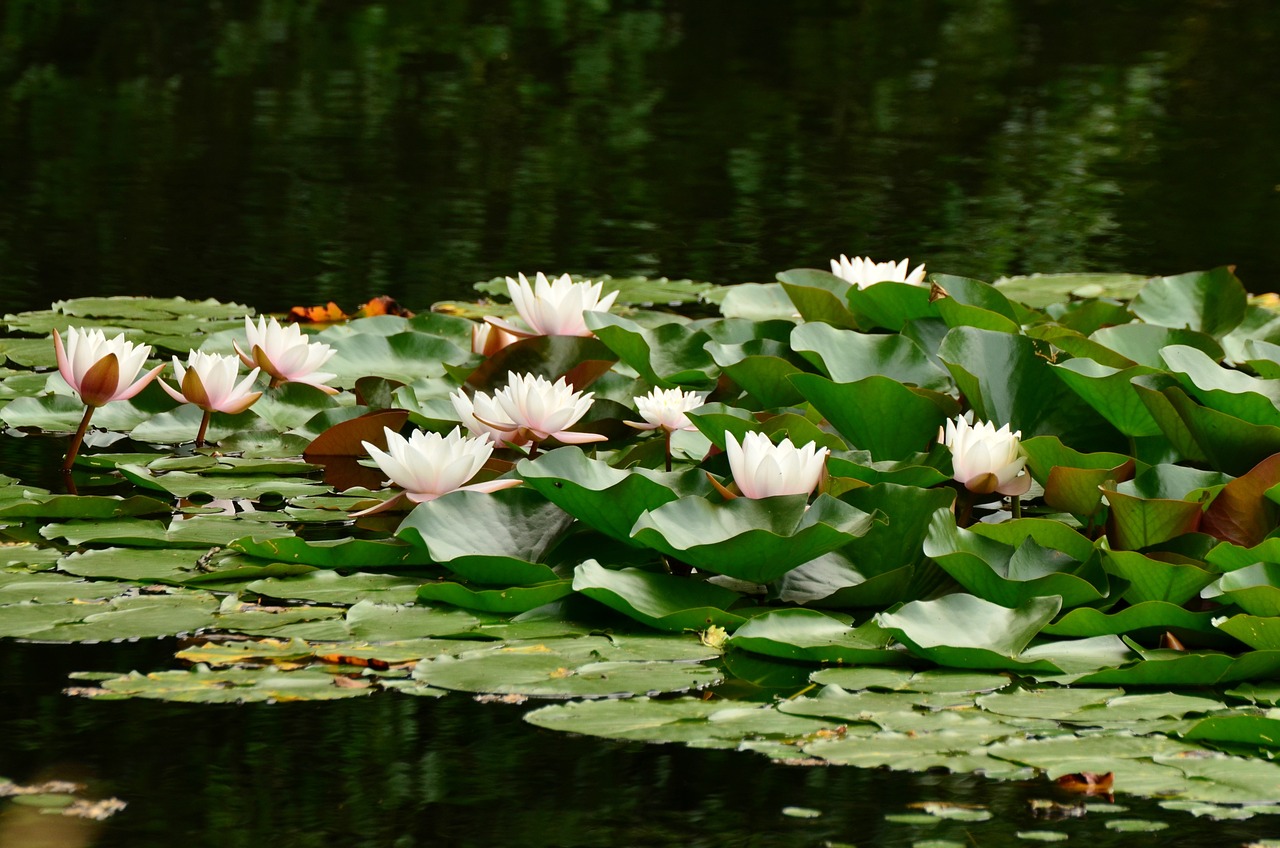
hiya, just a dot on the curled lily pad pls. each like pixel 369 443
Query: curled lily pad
pixel 495 538
pixel 846 356
pixel 605 498
pixel 512 599
pixel 1035 558
pixel 750 539
pixel 800 634
pixel 1151 578
pixel 963 631
pixel 879 414
pixel 333 553
pixel 1261 632
pixel 658 600
pixel 1255 589
pixel 1144 619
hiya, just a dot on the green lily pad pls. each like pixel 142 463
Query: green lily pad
pixel 667 356
pixel 755 540
pixel 605 498
pixel 1212 302
pixel 962 631
pixel 333 553
pixel 328 587
pixel 513 599
pixel 800 634
pixel 658 600
pixel 846 356
pixel 564 668
pixel 879 414
pixel 1255 588
pixel 233 686
pixel 520 527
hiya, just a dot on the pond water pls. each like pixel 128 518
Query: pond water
pixel 296 152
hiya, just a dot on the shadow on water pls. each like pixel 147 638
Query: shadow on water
pixel 395 770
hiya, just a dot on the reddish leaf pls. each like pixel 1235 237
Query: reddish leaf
pixel 1241 513
pixel 1087 783
pixel 383 305
pixel 344 438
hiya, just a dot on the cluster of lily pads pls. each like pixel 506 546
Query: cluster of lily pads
pixel 1032 520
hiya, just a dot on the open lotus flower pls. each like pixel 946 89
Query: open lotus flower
pixel 428 465
pixel 985 459
pixel 209 382
pixel 863 271
pixel 286 354
pixel 553 308
pixel 666 409
pixel 762 469
pixel 471 411
pixel 531 409
pixel 100 370
pixel 487 339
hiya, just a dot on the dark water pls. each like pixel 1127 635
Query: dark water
pixel 400 771
pixel 295 151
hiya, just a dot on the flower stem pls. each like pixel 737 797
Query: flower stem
pixel 964 508
pixel 204 425
pixel 668 444
pixel 74 448
pixel 1016 504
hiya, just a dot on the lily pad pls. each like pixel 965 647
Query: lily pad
pixel 658 600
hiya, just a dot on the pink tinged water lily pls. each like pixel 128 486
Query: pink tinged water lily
pixel 286 354
pixel 554 307
pixel 487 339
pixel 986 460
pixel 100 370
pixel 762 469
pixel 535 409
pixel 428 465
pixel 863 271
pixel 667 409
pixel 208 381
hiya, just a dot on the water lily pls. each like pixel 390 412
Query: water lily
pixel 286 353
pixel 530 409
pixel 99 370
pixel 986 460
pixel 487 339
pixel 762 469
pixel 428 465
pixel 863 271
pixel 667 409
pixel 208 381
pixel 553 307
pixel 472 411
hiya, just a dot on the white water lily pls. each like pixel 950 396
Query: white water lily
pixel 863 271
pixel 553 307
pixel 428 465
pixel 99 369
pixel 985 459
pixel 528 409
pixel 667 409
pixel 286 353
pixel 762 469
pixel 209 381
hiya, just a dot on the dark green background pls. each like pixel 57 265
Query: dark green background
pixel 296 151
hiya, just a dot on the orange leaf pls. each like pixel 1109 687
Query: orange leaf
pixel 1087 783
pixel 327 314
pixel 383 305
pixel 345 437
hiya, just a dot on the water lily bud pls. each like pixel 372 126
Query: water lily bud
pixel 985 459
pixel 762 469
pixel 863 271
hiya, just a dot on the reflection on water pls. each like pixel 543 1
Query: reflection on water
pixel 396 770
pixel 296 151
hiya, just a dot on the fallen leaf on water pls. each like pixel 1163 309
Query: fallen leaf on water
pixel 96 810
pixel 1087 783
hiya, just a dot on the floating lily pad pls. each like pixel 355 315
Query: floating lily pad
pixel 801 634
pixel 233 686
